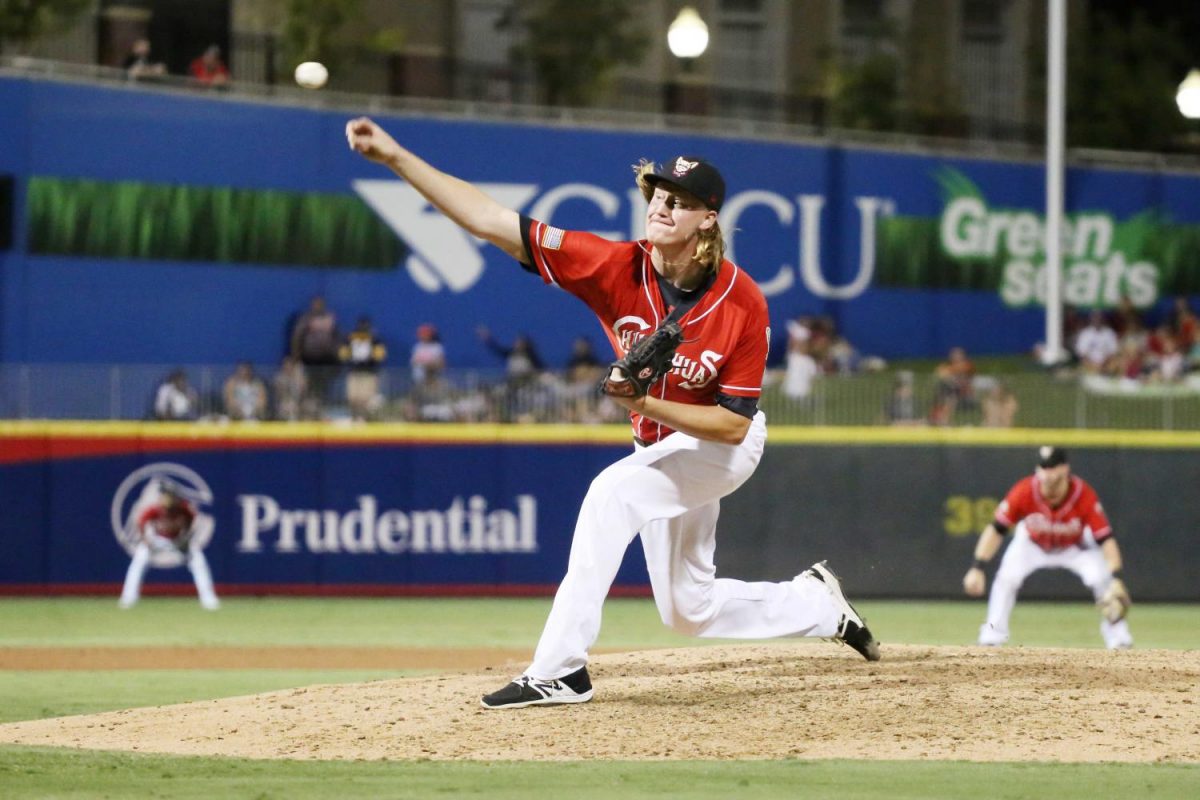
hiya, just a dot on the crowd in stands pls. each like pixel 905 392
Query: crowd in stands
pixel 326 374
pixel 1122 346
pixel 207 69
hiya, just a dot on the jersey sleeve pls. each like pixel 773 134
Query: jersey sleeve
pixel 742 376
pixel 1095 517
pixel 572 260
pixel 1015 505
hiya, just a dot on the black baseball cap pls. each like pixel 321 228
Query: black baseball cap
pixel 693 174
pixel 1051 457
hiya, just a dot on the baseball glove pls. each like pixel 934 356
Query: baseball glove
pixel 647 361
pixel 1114 605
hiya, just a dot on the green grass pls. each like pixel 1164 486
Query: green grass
pixel 29 773
pixel 514 623
pixel 48 772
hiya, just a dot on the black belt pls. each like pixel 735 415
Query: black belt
pixel 641 442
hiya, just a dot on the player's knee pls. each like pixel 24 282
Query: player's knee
pixel 689 616
pixel 1006 583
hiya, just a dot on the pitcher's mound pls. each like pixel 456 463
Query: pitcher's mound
pixel 804 700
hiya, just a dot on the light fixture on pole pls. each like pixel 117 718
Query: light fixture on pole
pixel 687 36
pixel 1188 96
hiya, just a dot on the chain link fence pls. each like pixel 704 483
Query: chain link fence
pixel 135 392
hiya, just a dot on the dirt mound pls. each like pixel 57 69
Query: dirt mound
pixel 809 700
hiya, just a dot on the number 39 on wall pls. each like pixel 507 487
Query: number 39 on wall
pixel 966 516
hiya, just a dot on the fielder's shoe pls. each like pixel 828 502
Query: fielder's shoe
pixel 852 630
pixel 527 691
pixel 990 636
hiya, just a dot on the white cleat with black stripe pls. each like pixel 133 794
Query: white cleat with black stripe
pixel 852 629
pixel 528 691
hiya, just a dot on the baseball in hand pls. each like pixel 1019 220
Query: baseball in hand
pixel 311 74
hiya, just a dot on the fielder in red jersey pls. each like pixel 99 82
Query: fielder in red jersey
pixel 698 431
pixel 1059 523
pixel 168 525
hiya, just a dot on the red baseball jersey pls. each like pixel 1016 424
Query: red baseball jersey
pixel 726 333
pixel 169 523
pixel 1059 527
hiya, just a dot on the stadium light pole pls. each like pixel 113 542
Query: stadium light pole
pixel 1188 96
pixel 1055 137
pixel 687 39
pixel 687 36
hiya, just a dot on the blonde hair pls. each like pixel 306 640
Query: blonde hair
pixel 710 249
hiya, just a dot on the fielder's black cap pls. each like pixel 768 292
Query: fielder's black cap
pixel 694 175
pixel 1051 457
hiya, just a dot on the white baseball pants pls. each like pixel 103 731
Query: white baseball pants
pixel 670 492
pixel 1022 559
pixel 197 564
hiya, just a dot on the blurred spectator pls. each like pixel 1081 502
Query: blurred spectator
pixel 315 345
pixel 584 366
pixel 209 69
pixel 1130 363
pixel 1134 334
pixel 428 356
pixel 955 387
pixel 801 368
pixel 1171 364
pixel 1000 406
pixel 138 64
pixel 527 394
pixel 244 394
pixel 291 391
pixel 584 371
pixel 431 400
pixel 1097 345
pixel 363 352
pixel 820 340
pixel 521 361
pixel 1072 323
pixel 1126 317
pixel 1183 324
pixel 175 399
pixel 901 407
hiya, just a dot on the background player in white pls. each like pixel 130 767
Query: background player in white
pixel 166 522
pixel 1060 525
pixel 698 432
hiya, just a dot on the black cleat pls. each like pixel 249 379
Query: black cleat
pixel 526 691
pixel 852 629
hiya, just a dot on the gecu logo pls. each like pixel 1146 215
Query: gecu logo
pixel 141 490
pixel 443 256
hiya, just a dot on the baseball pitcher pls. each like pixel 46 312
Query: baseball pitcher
pixel 690 332
pixel 1053 512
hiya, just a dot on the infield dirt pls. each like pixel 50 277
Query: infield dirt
pixel 810 700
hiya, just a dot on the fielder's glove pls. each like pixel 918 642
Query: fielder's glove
pixel 1114 605
pixel 648 360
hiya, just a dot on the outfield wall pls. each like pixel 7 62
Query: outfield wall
pixel 160 227
pixel 489 509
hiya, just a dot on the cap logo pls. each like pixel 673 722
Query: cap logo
pixel 1045 452
pixel 683 167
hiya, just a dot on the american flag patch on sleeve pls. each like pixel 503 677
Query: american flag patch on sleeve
pixel 552 238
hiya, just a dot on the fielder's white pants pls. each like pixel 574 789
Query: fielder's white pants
pixel 197 564
pixel 1022 559
pixel 670 492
